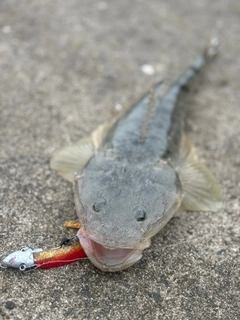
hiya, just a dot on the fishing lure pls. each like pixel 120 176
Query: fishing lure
pixel 28 258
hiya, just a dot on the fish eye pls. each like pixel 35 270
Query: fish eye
pixel 140 215
pixel 98 206
pixel 24 249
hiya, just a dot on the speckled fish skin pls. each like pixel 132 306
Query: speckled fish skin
pixel 162 136
pixel 131 182
pixel 131 175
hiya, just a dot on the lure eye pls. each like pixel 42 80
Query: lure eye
pixel 140 215
pixel 24 249
pixel 98 206
pixel 22 267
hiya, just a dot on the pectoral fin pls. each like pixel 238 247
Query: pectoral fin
pixel 72 159
pixel 100 133
pixel 201 189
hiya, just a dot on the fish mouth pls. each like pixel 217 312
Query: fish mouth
pixel 108 258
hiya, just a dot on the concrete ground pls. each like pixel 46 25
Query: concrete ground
pixel 68 66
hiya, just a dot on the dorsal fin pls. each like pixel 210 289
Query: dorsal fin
pixel 148 116
pixel 154 98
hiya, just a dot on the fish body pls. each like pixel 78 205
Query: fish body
pixel 130 176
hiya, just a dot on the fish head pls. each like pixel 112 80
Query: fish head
pixel 121 207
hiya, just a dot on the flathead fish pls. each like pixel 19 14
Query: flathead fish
pixel 132 174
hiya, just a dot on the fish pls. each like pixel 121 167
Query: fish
pixel 132 174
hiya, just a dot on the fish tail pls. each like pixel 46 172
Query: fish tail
pixel 213 48
pixel 190 78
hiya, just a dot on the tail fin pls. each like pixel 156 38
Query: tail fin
pixel 213 48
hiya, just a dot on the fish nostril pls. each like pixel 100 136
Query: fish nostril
pixel 140 215
pixel 98 206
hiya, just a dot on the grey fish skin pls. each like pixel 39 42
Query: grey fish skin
pixel 163 135
pixel 133 175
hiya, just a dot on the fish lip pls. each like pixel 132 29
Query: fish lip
pixel 108 258
pixel 113 244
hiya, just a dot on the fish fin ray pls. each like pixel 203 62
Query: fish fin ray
pixel 202 192
pixel 71 159
pixel 99 134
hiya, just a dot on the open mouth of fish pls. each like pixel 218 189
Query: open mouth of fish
pixel 108 258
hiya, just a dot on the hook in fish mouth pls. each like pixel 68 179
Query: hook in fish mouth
pixel 108 258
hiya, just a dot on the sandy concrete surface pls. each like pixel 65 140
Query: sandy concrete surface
pixel 68 66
